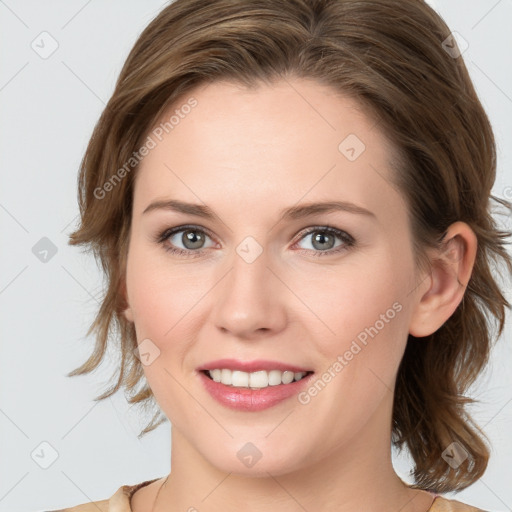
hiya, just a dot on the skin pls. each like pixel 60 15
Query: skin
pixel 264 150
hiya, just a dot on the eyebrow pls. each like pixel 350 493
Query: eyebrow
pixel 292 213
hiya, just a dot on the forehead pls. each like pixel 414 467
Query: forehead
pixel 272 143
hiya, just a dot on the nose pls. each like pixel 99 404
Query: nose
pixel 250 301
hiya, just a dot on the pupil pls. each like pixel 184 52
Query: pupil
pixel 191 237
pixel 321 238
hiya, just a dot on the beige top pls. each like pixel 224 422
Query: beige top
pixel 120 502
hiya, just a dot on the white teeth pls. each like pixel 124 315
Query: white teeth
pixel 254 380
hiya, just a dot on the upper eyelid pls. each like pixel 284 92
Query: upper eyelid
pixel 178 229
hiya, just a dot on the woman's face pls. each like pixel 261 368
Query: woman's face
pixel 254 282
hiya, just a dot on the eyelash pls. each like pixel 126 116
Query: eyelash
pixel 347 239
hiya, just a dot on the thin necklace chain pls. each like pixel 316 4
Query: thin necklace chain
pixel 156 499
pixel 165 481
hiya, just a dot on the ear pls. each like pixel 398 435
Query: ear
pixel 126 310
pixel 450 273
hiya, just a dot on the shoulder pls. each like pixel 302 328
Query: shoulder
pixel 118 502
pixel 92 506
pixel 441 504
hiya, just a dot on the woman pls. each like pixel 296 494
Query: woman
pixel 290 200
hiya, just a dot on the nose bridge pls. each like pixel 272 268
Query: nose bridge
pixel 249 300
pixel 250 263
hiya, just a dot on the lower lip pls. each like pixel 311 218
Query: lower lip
pixel 246 399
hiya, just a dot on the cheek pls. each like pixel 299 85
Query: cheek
pixel 159 302
pixel 164 297
pixel 371 321
pixel 363 294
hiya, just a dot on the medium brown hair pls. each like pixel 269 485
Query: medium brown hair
pixel 391 57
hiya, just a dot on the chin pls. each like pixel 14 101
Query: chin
pixel 248 460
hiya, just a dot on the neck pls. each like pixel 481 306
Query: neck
pixel 358 475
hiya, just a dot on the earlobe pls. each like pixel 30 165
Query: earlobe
pixel 128 314
pixel 125 308
pixel 451 269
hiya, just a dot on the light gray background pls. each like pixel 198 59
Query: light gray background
pixel 48 109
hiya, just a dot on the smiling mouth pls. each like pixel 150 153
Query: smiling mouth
pixel 254 380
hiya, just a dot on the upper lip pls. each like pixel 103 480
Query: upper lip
pixel 252 366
